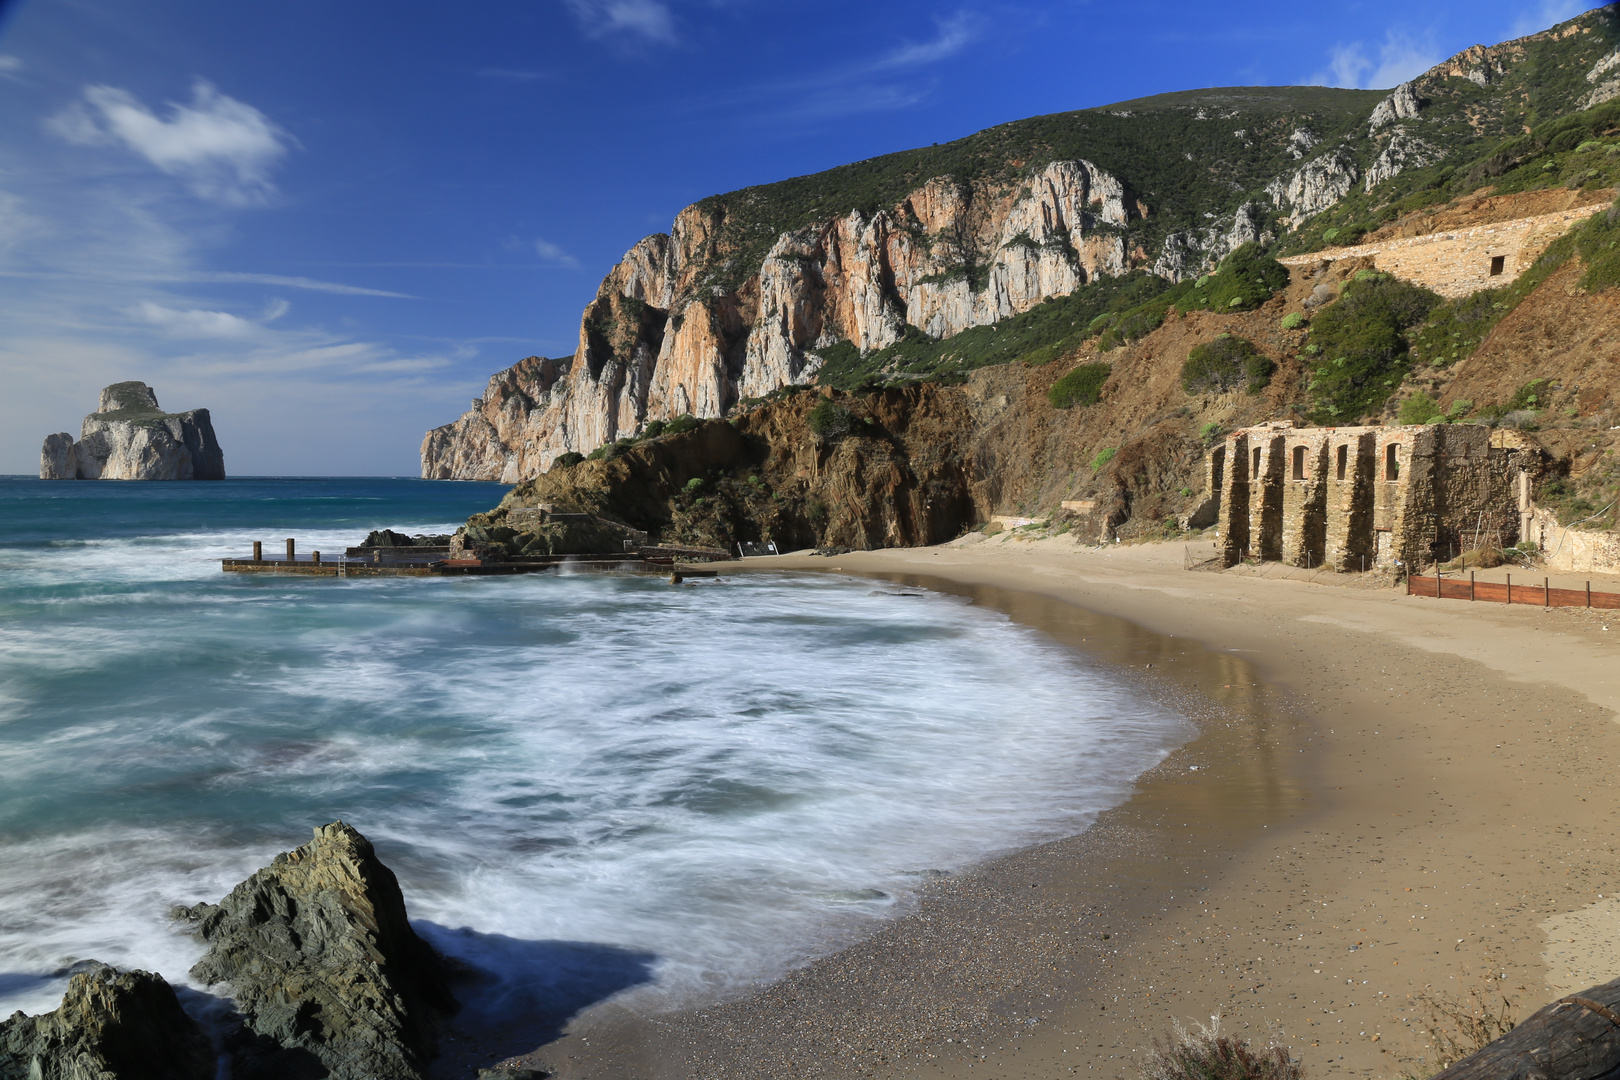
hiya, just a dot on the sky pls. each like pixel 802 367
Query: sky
pixel 330 221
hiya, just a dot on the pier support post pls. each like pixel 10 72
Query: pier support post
pixel 258 551
pixel 315 557
pixel 1471 584
pixel 290 556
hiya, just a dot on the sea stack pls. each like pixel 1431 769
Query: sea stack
pixel 129 437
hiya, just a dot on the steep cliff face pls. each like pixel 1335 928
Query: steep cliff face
pixel 129 437
pixel 751 291
pixel 656 343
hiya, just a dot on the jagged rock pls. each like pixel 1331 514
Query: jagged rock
pixel 1319 184
pixel 1403 151
pixel 112 1025
pixel 534 531
pixel 317 953
pixel 129 437
pixel 657 343
pixel 1300 141
pixel 1402 104
pixel 388 538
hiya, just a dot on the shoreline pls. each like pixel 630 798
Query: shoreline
pixel 1421 829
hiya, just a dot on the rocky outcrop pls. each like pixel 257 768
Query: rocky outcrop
pixel 112 1025
pixel 1317 185
pixel 1402 104
pixel 129 437
pixel 657 342
pixel 1403 151
pixel 318 955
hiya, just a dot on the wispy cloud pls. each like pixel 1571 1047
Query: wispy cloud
pixel 1400 57
pixel 954 34
pixel 553 253
pixel 223 149
pixel 334 287
pixel 10 66
pixel 637 20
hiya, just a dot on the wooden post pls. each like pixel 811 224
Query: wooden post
pixel 315 557
pixel 1408 584
pixel 290 556
pixel 1437 580
pixel 258 551
pixel 1510 588
pixel 1546 592
pixel 1588 594
pixel 1471 585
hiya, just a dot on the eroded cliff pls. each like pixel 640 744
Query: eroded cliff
pixel 130 437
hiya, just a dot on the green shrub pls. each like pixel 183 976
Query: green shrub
pixel 1225 364
pixel 599 453
pixel 830 420
pixel 1459 409
pixel 1103 457
pixel 1082 386
pixel 1293 320
pixel 1420 408
pixel 1363 346
pixel 681 425
pixel 1598 241
pixel 653 429
pixel 1245 279
pixel 694 485
pixel 563 461
pixel 1207 1054
pixel 1209 433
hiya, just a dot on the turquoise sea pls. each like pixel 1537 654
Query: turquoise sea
pixel 588 784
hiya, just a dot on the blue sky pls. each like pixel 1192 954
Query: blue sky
pixel 330 221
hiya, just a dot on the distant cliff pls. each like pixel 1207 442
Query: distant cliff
pixel 832 278
pixel 129 437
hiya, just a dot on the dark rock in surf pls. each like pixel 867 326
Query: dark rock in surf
pixel 318 954
pixel 112 1025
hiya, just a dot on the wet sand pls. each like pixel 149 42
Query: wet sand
pixel 1389 795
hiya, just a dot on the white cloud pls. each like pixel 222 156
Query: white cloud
pixel 954 33
pixel 223 149
pixel 10 65
pixel 1400 57
pixel 334 287
pixel 195 322
pixel 553 253
pixel 646 20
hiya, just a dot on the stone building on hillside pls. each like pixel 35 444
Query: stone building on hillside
pixel 1355 498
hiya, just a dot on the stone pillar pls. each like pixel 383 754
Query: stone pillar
pixel 1266 494
pixel 1348 504
pixel 1234 500
pixel 1304 494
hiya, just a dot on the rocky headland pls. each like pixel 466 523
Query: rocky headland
pixel 130 437
pixel 324 975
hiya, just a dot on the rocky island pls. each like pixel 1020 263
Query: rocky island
pixel 130 437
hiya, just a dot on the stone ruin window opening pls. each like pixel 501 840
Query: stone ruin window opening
pixel 1255 472
pixel 1299 463
pixel 1392 462
pixel 1344 458
pixel 1498 264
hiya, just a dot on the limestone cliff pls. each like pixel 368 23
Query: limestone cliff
pixel 760 289
pixel 658 342
pixel 129 437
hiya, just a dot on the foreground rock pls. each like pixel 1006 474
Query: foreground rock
pixel 113 1025
pixel 317 952
pixel 129 437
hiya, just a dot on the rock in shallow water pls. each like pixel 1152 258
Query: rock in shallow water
pixel 317 952
pixel 113 1025
pixel 130 437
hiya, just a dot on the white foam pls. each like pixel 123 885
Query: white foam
pixel 732 777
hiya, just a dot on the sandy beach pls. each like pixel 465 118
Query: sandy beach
pixel 1389 796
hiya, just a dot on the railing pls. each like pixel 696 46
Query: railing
pixel 1543 595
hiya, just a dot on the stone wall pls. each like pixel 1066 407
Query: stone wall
pixel 1572 550
pixel 1458 262
pixel 1364 498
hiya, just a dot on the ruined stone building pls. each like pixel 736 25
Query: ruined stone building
pixel 1355 498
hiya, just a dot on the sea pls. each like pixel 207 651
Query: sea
pixel 589 784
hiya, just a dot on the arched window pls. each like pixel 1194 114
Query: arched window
pixel 1299 463
pixel 1392 462
pixel 1344 459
